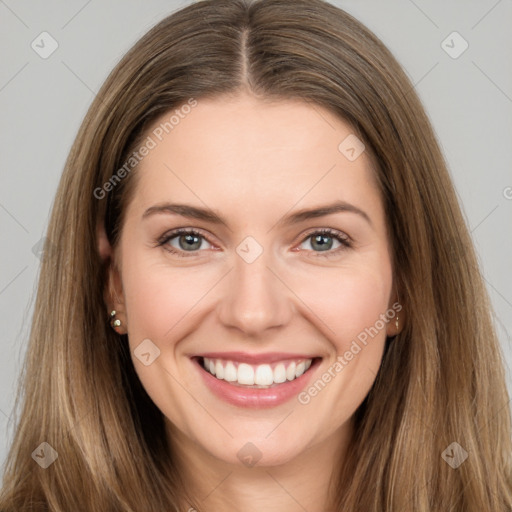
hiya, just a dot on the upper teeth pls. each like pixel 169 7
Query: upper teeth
pixel 259 375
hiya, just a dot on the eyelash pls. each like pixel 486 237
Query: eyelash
pixel 337 235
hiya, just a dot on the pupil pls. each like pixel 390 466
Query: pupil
pixel 321 239
pixel 190 241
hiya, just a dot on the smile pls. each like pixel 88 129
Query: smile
pixel 255 381
pixel 260 376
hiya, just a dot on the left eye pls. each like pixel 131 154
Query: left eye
pixel 322 241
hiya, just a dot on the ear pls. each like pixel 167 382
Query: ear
pixel 113 289
pixel 104 249
pixel 396 315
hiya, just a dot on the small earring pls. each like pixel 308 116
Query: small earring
pixel 396 322
pixel 114 322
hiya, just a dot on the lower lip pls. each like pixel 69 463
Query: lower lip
pixel 254 397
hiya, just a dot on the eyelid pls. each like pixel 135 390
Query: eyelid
pixel 184 230
pixel 329 231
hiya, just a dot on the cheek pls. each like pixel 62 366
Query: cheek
pixel 349 302
pixel 350 307
pixel 158 297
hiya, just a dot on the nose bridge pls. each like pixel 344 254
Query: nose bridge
pixel 254 299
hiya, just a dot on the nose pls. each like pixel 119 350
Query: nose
pixel 255 298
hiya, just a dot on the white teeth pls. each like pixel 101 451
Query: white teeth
pixel 264 375
pixel 279 373
pixel 245 374
pixel 230 372
pixel 219 370
pixel 256 375
pixel 290 372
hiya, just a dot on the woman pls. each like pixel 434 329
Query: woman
pixel 265 295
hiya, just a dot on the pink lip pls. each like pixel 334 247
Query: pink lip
pixel 245 357
pixel 253 397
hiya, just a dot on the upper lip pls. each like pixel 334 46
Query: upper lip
pixel 245 357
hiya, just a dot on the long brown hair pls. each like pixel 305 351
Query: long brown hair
pixel 442 378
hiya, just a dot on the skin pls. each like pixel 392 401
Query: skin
pixel 282 158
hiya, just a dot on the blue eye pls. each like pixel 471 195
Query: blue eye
pixel 322 241
pixel 188 240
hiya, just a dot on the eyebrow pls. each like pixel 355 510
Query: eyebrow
pixel 209 215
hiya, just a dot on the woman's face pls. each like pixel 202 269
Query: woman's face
pixel 258 290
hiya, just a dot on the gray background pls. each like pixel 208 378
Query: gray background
pixel 43 101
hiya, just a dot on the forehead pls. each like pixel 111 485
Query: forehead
pixel 264 154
